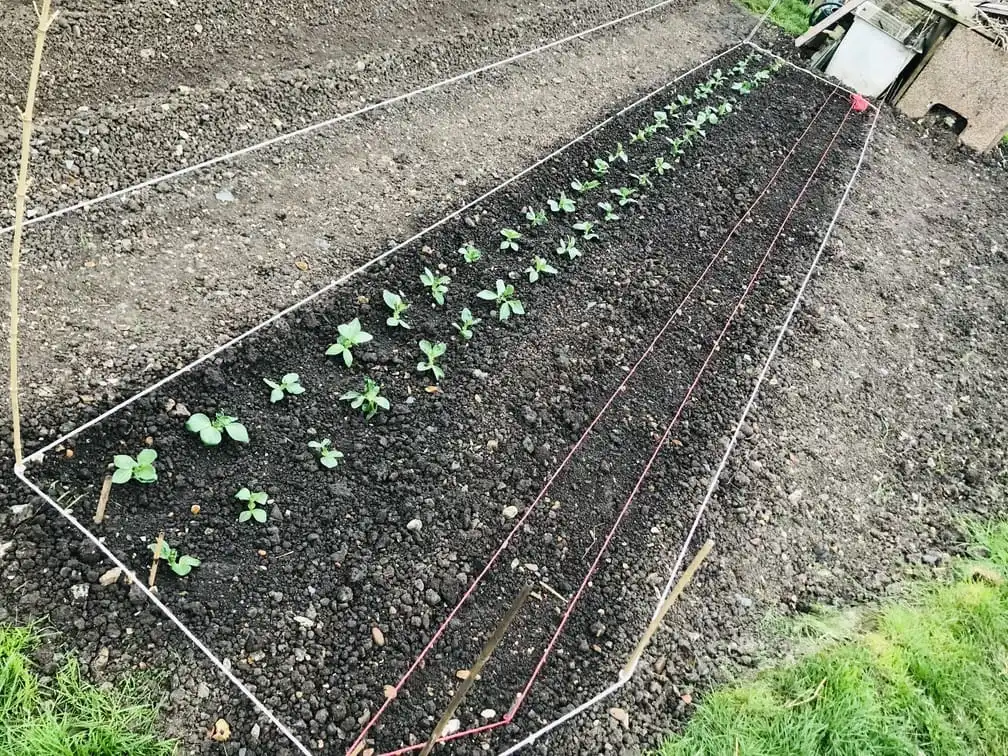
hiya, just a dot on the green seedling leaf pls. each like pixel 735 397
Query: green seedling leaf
pixel 466 323
pixel 432 351
pixel 398 305
pixel 511 238
pixel 438 285
pixel 328 457
pixel 350 335
pixel 535 218
pixel 369 401
pixel 504 299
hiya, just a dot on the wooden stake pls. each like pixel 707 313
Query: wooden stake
pixel 45 19
pixel 476 668
pixel 103 498
pixel 652 628
pixel 154 564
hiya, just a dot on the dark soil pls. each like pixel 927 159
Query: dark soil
pixel 292 605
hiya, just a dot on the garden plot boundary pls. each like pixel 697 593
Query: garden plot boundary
pixel 340 118
pixel 168 613
pixel 21 470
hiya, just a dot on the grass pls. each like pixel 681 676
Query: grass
pixel 66 715
pixel 927 675
pixel 789 15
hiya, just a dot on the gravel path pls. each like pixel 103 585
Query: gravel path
pixel 885 420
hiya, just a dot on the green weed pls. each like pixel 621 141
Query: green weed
pixel 68 716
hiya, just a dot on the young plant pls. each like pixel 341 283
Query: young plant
pixel 600 167
pixel 470 253
pixel 660 119
pixel 607 208
pixel 563 203
pixel 587 229
pixel 539 267
pixel 625 195
pixel 438 285
pixel 684 101
pixel 511 238
pixel 697 124
pixel 743 87
pixel 643 179
pixel 432 352
pixel 584 186
pixel 535 218
pixel 678 147
pixel 703 91
pixel 254 501
pixel 368 401
pixel 619 154
pixel 466 323
pixel 718 78
pixel 180 565
pixel 289 384
pixel 661 165
pixel 639 136
pixel 210 430
pixel 350 335
pixel 724 108
pixel 569 248
pixel 761 76
pixel 328 456
pixel 398 305
pixel 504 299
pixel 140 469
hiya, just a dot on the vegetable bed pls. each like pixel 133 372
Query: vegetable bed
pixel 331 528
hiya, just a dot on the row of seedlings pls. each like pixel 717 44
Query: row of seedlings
pixel 696 112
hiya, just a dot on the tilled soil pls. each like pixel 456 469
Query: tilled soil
pixel 830 503
pixel 131 289
pixel 337 592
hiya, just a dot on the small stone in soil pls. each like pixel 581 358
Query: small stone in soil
pixel 510 511
pixel 111 576
pixel 414 525
pixel 377 636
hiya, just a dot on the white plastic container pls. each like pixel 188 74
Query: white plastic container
pixel 872 53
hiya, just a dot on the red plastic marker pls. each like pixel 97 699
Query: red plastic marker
pixel 858 103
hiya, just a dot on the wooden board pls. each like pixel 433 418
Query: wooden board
pixel 827 22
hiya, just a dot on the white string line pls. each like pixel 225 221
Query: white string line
pixel 36 456
pixel 804 70
pixel 766 366
pixel 762 19
pixel 597 698
pixel 621 679
pixel 340 118
pixel 167 612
